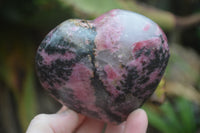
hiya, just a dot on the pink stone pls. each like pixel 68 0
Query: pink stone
pixel 104 68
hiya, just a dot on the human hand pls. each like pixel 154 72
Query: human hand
pixel 68 121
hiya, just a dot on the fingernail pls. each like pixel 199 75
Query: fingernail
pixel 64 108
pixel 138 112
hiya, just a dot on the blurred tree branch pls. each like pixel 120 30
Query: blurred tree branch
pixel 189 21
pixel 165 19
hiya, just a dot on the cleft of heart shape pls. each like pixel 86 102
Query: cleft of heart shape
pixel 103 68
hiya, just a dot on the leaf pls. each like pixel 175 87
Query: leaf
pixel 171 117
pixel 27 103
pixel 156 120
pixel 186 114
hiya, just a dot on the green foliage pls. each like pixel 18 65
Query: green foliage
pixel 27 104
pixel 17 72
pixel 186 114
pixel 93 8
pixel 172 118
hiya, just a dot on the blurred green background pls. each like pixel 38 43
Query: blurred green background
pixel 24 23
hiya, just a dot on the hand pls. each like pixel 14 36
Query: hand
pixel 68 121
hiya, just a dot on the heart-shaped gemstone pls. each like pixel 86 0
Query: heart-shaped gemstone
pixel 103 68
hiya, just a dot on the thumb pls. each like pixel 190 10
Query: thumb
pixel 137 122
pixel 65 122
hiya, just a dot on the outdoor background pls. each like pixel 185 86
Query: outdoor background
pixel 24 23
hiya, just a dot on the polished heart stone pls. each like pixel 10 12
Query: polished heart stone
pixel 104 68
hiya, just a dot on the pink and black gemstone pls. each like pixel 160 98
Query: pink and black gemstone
pixel 103 68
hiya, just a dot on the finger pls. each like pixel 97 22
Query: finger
pixel 115 128
pixel 91 125
pixel 137 122
pixel 65 122
pixel 63 109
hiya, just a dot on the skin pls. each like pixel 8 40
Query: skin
pixel 68 121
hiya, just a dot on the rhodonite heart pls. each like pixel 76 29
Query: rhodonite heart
pixel 103 68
